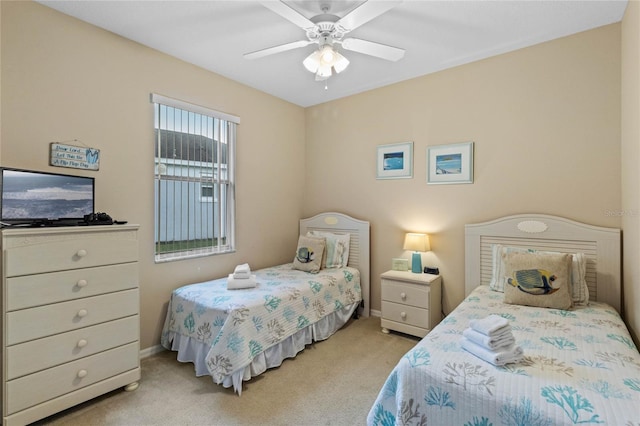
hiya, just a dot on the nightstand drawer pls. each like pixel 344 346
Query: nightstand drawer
pixel 405 293
pixel 404 314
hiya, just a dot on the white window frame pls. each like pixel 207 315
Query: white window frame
pixel 184 219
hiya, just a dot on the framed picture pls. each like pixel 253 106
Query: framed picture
pixel 399 264
pixel 395 161
pixel 450 163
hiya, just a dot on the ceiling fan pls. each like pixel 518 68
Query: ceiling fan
pixel 328 31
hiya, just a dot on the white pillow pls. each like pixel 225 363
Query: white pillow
pixel 336 250
pixel 579 289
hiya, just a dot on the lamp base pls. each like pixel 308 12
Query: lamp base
pixel 416 263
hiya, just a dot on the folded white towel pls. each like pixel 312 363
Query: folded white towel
pixel 490 342
pixel 236 284
pixel 490 325
pixel 508 355
pixel 242 271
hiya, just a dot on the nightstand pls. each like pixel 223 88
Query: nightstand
pixel 410 302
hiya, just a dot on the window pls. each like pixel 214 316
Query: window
pixel 194 180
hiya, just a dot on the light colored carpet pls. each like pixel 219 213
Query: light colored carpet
pixel 333 382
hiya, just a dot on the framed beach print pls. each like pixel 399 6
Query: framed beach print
pixel 450 163
pixel 395 161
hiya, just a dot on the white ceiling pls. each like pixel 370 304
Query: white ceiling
pixel 435 34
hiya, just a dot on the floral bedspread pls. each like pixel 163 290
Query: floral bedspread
pixel 240 324
pixel 579 366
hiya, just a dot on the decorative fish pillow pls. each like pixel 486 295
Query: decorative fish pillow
pixel 542 280
pixel 579 288
pixel 309 254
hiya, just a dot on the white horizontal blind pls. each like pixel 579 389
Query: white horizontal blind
pixel 160 99
pixel 194 180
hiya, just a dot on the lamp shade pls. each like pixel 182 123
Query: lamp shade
pixel 312 62
pixel 341 63
pixel 416 242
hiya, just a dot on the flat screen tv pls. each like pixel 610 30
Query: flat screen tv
pixel 40 198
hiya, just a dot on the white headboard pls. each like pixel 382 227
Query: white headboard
pixel 359 256
pixel 601 247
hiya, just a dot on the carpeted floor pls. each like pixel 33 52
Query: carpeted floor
pixel 333 382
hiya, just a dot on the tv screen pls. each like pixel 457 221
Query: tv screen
pixel 31 196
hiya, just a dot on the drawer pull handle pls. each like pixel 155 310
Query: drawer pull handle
pixel 81 253
pixel 82 343
pixel 403 296
pixel 82 313
pixel 82 283
pixel 403 315
pixel 82 373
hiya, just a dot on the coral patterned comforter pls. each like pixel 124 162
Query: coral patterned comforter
pixel 237 325
pixel 580 367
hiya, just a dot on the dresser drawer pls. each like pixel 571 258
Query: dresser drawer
pixel 35 388
pixel 34 323
pixel 59 254
pixel 404 314
pixel 408 294
pixel 35 290
pixel 36 355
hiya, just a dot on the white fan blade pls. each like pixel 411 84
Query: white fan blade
pixel 277 49
pixel 378 50
pixel 366 12
pixel 289 14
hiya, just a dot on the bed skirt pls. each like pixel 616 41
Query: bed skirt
pixel 195 351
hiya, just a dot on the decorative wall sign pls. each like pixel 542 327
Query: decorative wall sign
pixel 75 157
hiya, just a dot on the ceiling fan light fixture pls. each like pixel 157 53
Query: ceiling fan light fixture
pixel 341 63
pixel 323 73
pixel 321 62
pixel 327 55
pixel 328 31
pixel 312 62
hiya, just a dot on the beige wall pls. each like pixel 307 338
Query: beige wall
pixel 630 125
pixel 545 121
pixel 63 79
pixel 546 125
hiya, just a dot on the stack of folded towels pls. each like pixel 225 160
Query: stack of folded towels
pixel 491 340
pixel 241 278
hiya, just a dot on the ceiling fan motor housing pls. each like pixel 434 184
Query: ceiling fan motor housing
pixel 326 31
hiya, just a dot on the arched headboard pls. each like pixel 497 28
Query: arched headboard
pixel 359 255
pixel 601 246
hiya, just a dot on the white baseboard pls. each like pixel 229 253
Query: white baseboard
pixel 375 313
pixel 145 353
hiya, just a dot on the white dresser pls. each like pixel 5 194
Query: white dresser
pixel 410 302
pixel 70 317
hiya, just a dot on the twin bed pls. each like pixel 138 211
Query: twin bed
pixel 233 335
pixel 579 365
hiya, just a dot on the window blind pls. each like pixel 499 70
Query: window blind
pixel 194 180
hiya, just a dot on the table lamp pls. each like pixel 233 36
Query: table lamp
pixel 418 243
